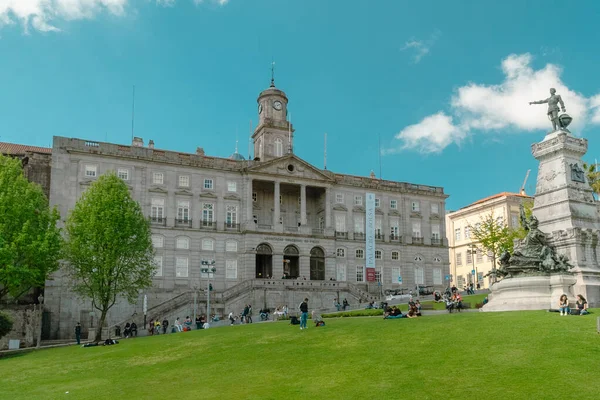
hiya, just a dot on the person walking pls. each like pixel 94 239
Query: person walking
pixel 78 333
pixel 304 315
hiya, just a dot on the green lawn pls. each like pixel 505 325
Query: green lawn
pixel 518 355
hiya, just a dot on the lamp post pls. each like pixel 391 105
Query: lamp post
pixel 473 252
pixel 39 333
pixel 208 271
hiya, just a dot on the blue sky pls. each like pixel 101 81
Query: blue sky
pixel 445 85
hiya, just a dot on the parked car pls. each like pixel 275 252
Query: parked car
pixel 426 290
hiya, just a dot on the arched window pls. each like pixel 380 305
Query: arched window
pixel 278 147
pixel 317 264
pixel 264 249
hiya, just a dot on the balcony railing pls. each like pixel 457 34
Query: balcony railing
pixel 158 221
pixel 229 226
pixel 341 235
pixel 183 223
pixel 264 227
pixel 209 225
pixel 379 236
pixel 394 238
pixel 359 235
pixel 291 229
pixel 317 231
pixel 417 240
pixel 436 241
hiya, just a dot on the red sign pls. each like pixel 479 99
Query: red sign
pixel 370 274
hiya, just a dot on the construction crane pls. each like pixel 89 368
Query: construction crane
pixel 524 182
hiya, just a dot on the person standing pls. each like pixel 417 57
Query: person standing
pixel 165 325
pixel 78 333
pixel 304 315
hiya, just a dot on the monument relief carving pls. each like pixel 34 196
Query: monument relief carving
pixel 577 174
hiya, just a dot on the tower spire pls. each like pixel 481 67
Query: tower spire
pixel 272 73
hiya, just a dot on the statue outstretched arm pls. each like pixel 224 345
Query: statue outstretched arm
pixel 562 104
pixel 523 217
pixel 538 102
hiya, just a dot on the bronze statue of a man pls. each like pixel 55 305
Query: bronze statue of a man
pixel 553 109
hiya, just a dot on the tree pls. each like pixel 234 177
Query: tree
pixel 494 236
pixel 108 246
pixel 593 177
pixel 30 241
pixel 6 325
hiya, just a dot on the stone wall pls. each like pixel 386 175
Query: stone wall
pixel 25 325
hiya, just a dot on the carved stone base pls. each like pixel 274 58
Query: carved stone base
pixel 530 292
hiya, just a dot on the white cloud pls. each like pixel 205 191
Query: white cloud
pixel 43 15
pixel 421 47
pixel 505 106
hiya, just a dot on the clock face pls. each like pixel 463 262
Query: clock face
pixel 260 108
pixel 277 105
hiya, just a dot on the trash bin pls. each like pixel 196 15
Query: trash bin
pixel 117 330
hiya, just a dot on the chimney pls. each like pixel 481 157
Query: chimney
pixel 137 142
pixel 151 144
pixel 199 151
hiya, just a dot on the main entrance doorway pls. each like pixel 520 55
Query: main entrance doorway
pixel 264 261
pixel 317 264
pixel 291 262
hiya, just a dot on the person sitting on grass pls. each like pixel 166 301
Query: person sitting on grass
pixel 449 305
pixel 178 325
pixel 418 308
pixel 411 313
pixel 563 305
pixel 395 313
pixel 317 319
pixel 582 305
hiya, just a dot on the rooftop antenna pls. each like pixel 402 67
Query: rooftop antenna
pixel 290 134
pixel 272 73
pixel 325 153
pixel 132 113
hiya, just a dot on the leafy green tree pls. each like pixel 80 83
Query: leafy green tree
pixel 494 236
pixel 30 241
pixel 108 246
pixel 6 325
pixel 593 177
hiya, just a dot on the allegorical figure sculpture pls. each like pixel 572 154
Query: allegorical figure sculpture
pixel 553 109
pixel 534 254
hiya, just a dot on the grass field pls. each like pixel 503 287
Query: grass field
pixel 518 355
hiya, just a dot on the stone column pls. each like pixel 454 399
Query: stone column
pixel 249 206
pixel 303 205
pixel 277 227
pixel 328 231
pixel 277 266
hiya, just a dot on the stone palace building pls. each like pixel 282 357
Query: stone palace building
pixel 276 229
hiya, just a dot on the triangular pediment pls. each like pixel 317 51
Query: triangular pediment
pixel 155 189
pixel 290 166
pixel 184 192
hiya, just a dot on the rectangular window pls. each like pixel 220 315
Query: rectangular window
pixel 340 223
pixel 158 178
pixel 435 231
pixel 231 269
pixel 377 202
pixel 395 255
pixel 340 272
pixel 181 267
pixel 184 181
pixel 340 252
pixel 183 211
pixel 158 241
pixel 378 228
pixel 394 204
pixel 469 258
pixel 123 173
pixel 254 197
pixel 416 206
pixel 339 198
pixel 231 216
pixel 514 219
pixel 500 221
pixel 182 243
pixel 437 276
pixel 395 274
pixel 394 228
pixel 435 208
pixel 416 229
pixel 321 223
pixel 90 171
pixel 359 224
pixel 158 264
pixel 378 275
pixel 467 232
pixel 157 211
pixel 208 244
pixel 208 184
pixel 360 253
pixel 208 214
pixel 231 246
pixel 419 276
pixel 457 234
pixel 458 258
pixel 378 255
pixel 358 200
pixel 231 186
pixel 479 256
pixel 360 273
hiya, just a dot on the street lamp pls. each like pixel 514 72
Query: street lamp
pixel 39 337
pixel 472 250
pixel 208 271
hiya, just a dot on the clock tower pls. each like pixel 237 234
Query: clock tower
pixel 273 136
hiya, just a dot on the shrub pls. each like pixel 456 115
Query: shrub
pixel 354 313
pixel 6 324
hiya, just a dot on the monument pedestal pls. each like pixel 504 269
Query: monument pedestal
pixel 539 292
pixel 565 207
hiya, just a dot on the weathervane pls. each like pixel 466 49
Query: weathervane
pixel 273 74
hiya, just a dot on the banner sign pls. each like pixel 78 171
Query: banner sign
pixel 370 231
pixel 370 274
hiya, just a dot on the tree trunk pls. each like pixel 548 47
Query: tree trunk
pixel 98 337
